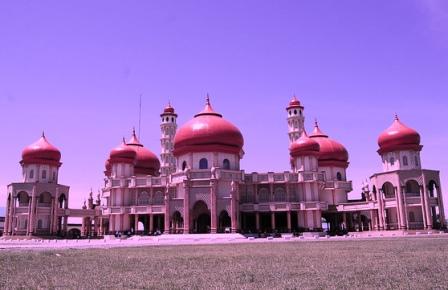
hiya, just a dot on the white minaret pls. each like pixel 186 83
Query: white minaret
pixel 168 129
pixel 295 119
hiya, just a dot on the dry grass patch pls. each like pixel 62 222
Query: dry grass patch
pixel 418 263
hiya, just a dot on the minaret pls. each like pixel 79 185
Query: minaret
pixel 168 129
pixel 295 120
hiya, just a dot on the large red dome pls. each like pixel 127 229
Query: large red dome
pixel 208 131
pixel 332 153
pixel 122 154
pixel 398 137
pixel 304 146
pixel 41 152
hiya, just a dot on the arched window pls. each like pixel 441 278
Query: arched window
pixel 62 201
pixel 31 174
pixel 45 199
pixel 412 188
pixel 295 112
pixel 44 174
pixel 339 176
pixel 263 195
pixel 23 198
pixel 392 161
pixel 416 161
pixel 388 190
pixel 226 164
pixel 203 163
pixel 432 187
pixel 405 161
pixel 172 119
pixel 184 165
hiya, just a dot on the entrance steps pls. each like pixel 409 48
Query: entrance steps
pixel 394 233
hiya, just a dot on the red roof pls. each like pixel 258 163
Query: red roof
pixel 169 110
pixel 294 103
pixel 208 131
pixel 398 137
pixel 41 152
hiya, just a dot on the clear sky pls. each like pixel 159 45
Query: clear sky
pixel 76 68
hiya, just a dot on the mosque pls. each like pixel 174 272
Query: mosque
pixel 197 185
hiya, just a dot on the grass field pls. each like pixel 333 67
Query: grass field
pixel 412 263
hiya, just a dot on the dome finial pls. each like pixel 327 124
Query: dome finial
pixel 396 117
pixel 124 140
pixel 207 100
pixel 43 134
pixel 316 124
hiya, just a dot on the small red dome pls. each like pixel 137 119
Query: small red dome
pixel 41 152
pixel 169 110
pixel 332 153
pixel 208 131
pixel 304 146
pixel 122 154
pixel 398 137
pixel 294 103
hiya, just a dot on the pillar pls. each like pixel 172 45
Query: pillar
pixel 166 216
pixel 7 216
pixel 288 220
pixel 257 221
pixel 151 223
pixel 213 213
pixel 186 208
pixel 273 220
pixel 135 223
pixel 65 225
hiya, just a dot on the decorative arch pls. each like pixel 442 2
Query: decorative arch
pixel 280 194
pixel 226 164
pixel 201 217
pixel 62 201
pixel 388 190
pixel 177 222
pixel 23 198
pixel 412 188
pixel 45 199
pixel 224 222
pixel 433 188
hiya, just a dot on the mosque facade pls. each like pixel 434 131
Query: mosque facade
pixel 198 186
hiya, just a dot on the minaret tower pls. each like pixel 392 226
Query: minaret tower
pixel 168 129
pixel 295 120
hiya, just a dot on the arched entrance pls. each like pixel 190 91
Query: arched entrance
pixel 177 223
pixel 201 218
pixel 224 222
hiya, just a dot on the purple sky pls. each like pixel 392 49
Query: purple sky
pixel 76 70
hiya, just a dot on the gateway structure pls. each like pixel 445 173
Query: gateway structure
pixel 197 186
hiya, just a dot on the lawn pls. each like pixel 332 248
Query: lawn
pixel 417 263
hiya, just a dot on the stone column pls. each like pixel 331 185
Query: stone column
pixel 273 220
pixel 136 223
pixel 381 225
pixel 233 206
pixel 32 217
pixel 440 203
pixel 398 210
pixel 151 223
pixel 65 225
pixel 288 217
pixel 167 212
pixel 422 200
pixel 83 227
pixel 7 216
pixel 257 221
pixel 111 224
pixel 186 208
pixel 213 211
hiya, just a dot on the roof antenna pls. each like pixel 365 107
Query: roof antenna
pixel 140 117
